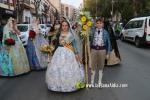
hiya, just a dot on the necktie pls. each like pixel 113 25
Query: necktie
pixel 98 31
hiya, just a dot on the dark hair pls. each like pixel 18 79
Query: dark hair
pixel 3 21
pixel 58 34
pixel 63 22
pixel 53 27
pixel 99 20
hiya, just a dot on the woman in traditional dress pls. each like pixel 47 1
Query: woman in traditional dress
pixel 52 34
pixel 37 59
pixel 65 72
pixel 115 57
pixel 13 59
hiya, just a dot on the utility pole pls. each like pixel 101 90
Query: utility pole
pixel 96 8
pixel 112 10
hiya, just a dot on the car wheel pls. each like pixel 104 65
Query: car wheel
pixel 137 42
pixel 122 38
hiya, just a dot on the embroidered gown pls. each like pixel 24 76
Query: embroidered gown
pixel 37 59
pixel 64 71
pixel 13 59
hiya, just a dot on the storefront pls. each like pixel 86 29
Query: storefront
pixel 6 13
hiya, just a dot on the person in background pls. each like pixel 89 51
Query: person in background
pixel 3 23
pixel 124 23
pixel 13 59
pixel 115 57
pixel 53 31
pixel 117 30
pixel 37 59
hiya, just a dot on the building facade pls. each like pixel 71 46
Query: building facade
pixel 7 8
pixel 57 5
pixel 69 12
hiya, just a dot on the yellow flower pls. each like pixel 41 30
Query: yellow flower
pixel 85 27
pixel 89 23
pixel 83 19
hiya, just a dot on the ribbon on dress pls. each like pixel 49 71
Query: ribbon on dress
pixel 65 44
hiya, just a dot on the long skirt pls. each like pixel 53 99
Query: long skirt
pixel 13 60
pixel 37 59
pixel 113 60
pixel 64 72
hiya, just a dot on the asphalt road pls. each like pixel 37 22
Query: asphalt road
pixel 134 70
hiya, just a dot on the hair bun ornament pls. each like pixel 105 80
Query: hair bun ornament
pixel 12 19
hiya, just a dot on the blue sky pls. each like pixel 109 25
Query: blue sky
pixel 75 3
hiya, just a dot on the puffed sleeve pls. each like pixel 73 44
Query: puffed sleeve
pixel 73 43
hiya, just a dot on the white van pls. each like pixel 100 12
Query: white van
pixel 137 30
pixel 24 32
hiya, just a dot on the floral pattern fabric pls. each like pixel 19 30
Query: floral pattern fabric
pixel 64 72
pixel 13 59
pixel 37 59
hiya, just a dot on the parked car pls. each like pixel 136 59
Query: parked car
pixel 137 30
pixel 43 28
pixel 48 27
pixel 24 32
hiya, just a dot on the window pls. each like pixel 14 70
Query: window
pixel 22 28
pixel 134 24
pixel 48 25
pixel 42 26
pixel 139 24
pixel 128 26
pixel 27 19
pixel 3 1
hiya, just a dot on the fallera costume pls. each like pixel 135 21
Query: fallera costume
pixel 37 59
pixel 100 47
pixel 13 59
pixel 64 72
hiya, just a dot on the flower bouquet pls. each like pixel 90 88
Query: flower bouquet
pixel 47 49
pixel 32 34
pixel 10 42
pixel 84 23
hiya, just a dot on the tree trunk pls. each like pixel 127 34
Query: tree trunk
pixel 134 5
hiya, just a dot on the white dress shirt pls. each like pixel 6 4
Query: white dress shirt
pixel 98 38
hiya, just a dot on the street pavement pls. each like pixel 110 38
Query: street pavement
pixel 134 70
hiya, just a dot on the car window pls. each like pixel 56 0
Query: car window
pixel 128 26
pixel 22 28
pixel 42 26
pixel 48 25
pixel 134 24
pixel 139 24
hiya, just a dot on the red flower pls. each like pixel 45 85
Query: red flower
pixel 10 41
pixel 31 34
pixel 54 41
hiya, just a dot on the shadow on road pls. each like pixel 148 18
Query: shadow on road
pixel 144 46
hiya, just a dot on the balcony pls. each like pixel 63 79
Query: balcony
pixel 27 4
pixel 2 5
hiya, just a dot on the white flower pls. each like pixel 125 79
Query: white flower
pixel 80 23
pixel 87 13
pixel 81 13
pixel 89 18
